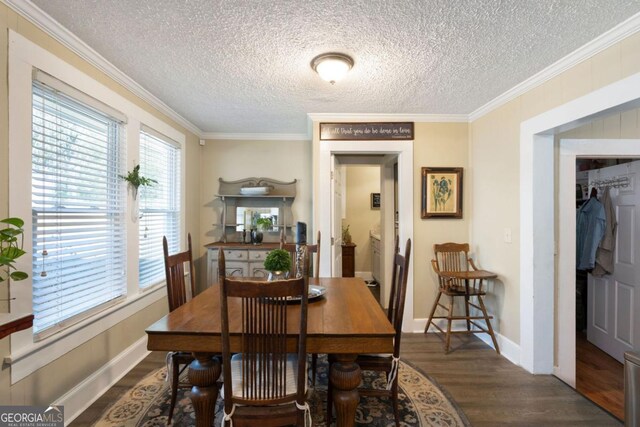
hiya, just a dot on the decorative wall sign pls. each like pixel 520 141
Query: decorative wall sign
pixel 441 193
pixel 365 131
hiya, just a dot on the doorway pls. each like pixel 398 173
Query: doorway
pixel 362 190
pixel 565 308
pixel 607 279
pixel 539 328
pixel 390 152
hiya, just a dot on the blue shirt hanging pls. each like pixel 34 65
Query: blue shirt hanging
pixel 590 227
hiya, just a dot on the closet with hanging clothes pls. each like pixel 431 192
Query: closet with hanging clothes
pixel 607 271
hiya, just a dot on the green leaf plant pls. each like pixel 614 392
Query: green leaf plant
pixel 136 180
pixel 278 260
pixel 11 243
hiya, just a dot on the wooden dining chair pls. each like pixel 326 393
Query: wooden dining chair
pixel 388 363
pixel 291 248
pixel 174 266
pixel 453 257
pixel 315 249
pixel 314 264
pixel 265 381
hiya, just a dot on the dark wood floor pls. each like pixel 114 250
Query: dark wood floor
pixel 599 376
pixel 490 390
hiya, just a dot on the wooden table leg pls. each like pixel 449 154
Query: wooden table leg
pixel 204 371
pixel 345 377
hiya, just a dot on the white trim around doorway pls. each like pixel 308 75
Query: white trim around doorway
pixel 537 219
pixel 322 199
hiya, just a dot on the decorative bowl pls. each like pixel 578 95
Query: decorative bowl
pixel 254 191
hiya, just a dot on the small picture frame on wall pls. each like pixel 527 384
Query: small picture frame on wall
pixel 375 200
pixel 441 193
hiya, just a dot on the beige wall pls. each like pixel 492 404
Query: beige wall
pixel 55 379
pixel 436 145
pixel 617 126
pixel 362 180
pixel 494 163
pixel 233 160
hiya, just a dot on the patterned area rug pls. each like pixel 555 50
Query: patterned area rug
pixel 422 403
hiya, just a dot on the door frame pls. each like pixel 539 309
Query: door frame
pixel 322 201
pixel 570 150
pixel 537 212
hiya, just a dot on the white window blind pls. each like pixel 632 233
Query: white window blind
pixel 159 204
pixel 78 208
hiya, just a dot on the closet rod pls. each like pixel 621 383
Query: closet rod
pixel 611 182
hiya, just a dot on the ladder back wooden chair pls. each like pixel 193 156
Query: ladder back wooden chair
pixel 451 258
pixel 177 294
pixel 388 363
pixel 265 382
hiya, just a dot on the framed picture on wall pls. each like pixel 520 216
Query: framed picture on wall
pixel 441 193
pixel 375 200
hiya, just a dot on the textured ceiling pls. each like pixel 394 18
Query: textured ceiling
pixel 243 66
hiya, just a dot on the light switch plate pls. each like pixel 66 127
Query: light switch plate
pixel 507 235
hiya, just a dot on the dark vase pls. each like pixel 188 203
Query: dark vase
pixel 256 237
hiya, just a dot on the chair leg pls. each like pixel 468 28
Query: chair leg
pixel 314 367
pixel 394 400
pixel 489 328
pixel 433 312
pixel 449 320
pixel 329 401
pixel 466 310
pixel 175 377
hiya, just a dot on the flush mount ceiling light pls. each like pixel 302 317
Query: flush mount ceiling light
pixel 332 66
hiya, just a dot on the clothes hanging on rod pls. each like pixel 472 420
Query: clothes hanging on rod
pixel 590 228
pixel 604 255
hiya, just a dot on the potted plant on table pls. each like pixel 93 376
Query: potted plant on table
pixel 278 264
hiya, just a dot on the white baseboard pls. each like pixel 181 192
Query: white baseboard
pixel 79 398
pixel 366 275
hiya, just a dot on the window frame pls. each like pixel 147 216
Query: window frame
pixel 75 112
pixel 173 246
pixel 24 55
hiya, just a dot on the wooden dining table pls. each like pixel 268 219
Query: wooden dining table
pixel 346 321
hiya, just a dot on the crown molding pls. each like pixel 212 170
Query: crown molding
pixel 595 46
pixel 365 117
pixel 256 136
pixel 52 27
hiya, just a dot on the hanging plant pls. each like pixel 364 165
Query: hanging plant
pixel 11 241
pixel 136 180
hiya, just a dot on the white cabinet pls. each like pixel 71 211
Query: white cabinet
pixel 240 260
pixel 375 257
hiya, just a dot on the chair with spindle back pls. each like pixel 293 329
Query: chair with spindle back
pixel 311 249
pixel 388 363
pixel 178 294
pixel 454 257
pixel 291 248
pixel 315 249
pixel 265 381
